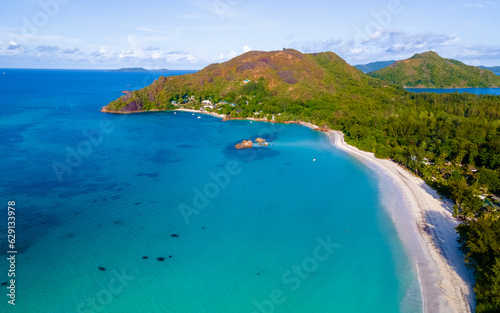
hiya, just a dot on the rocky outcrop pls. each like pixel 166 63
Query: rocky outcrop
pixel 246 144
pixel 322 129
pixel 132 107
pixel 262 142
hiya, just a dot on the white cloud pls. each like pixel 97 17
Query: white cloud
pixel 126 53
pixel 388 45
pixel 70 51
pixel 156 55
pixel 151 30
pixel 477 5
pixel 13 46
pixel 104 50
pixel 246 48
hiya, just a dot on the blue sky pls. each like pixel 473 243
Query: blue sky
pixel 190 34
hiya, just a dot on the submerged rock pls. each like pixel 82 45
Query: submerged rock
pixel 161 259
pixel 145 257
pixel 174 235
pixel 102 268
pixel 246 144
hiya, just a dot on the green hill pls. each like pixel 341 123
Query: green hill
pixel 429 70
pixel 373 66
pixel 275 82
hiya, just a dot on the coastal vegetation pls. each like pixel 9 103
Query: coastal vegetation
pixel 429 70
pixel 451 140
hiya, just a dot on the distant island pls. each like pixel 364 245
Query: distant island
pixel 494 69
pixel 373 66
pixel 137 69
pixel 429 70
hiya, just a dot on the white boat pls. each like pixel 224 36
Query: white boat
pixel 199 117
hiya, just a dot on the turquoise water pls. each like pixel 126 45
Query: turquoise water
pixel 477 91
pixel 261 230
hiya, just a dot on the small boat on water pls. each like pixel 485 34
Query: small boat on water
pixel 199 117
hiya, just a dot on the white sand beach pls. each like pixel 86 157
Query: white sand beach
pixel 202 112
pixel 427 229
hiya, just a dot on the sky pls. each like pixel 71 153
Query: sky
pixel 191 34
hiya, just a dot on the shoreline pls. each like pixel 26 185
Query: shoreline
pixel 423 220
pixel 427 229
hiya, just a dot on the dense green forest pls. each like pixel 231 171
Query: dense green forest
pixel 451 140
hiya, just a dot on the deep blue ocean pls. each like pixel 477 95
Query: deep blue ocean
pixel 477 91
pixel 159 213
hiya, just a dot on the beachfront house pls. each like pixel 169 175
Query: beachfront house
pixel 208 104
pixel 472 169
